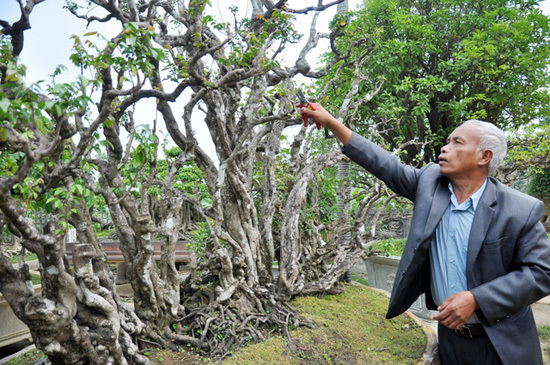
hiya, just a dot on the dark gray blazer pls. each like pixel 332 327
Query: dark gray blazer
pixel 508 264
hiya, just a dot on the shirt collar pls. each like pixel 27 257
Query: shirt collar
pixel 474 199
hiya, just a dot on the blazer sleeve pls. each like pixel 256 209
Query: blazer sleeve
pixel 401 178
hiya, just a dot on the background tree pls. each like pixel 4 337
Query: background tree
pixel 434 64
pixel 407 73
pixel 528 156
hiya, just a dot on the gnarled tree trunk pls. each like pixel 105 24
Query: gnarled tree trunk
pixel 256 190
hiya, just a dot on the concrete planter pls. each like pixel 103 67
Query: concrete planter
pixel 381 271
pixel 12 330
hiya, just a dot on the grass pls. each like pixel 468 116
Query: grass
pixel 544 333
pixel 359 279
pixel 36 279
pixel 28 257
pixel 350 329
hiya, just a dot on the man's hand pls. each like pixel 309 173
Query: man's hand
pixel 456 310
pixel 326 120
pixel 317 112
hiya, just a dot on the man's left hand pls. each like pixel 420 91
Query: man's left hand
pixel 456 310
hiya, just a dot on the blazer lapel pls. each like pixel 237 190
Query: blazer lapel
pixel 439 205
pixel 480 225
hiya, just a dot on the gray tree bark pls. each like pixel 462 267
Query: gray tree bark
pixel 226 73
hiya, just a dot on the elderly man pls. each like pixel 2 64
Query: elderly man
pixel 476 247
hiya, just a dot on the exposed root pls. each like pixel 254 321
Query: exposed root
pixel 217 329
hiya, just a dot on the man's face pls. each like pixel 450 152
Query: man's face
pixel 459 157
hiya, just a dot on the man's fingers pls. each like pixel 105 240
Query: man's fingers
pixel 456 310
pixel 447 319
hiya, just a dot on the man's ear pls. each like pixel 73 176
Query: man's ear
pixel 486 157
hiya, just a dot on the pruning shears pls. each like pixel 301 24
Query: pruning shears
pixel 305 103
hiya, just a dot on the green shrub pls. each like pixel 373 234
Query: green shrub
pixel 389 247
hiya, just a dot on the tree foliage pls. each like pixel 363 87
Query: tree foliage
pixel 540 185
pixel 433 64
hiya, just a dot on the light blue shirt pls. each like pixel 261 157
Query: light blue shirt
pixel 449 249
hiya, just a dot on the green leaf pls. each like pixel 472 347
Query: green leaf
pixel 4 104
pixel 78 188
pixel 157 53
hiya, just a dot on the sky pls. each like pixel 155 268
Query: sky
pixel 48 43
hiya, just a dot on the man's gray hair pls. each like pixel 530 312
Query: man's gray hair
pixel 491 138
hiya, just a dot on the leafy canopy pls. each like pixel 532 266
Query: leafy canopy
pixel 440 62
